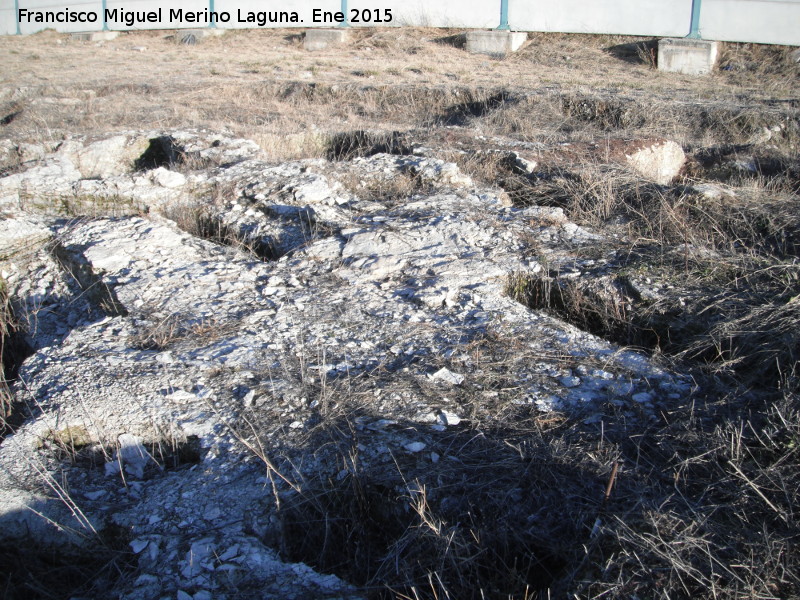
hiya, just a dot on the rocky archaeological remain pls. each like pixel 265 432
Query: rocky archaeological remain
pixel 444 361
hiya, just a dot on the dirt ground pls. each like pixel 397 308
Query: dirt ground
pixel 263 85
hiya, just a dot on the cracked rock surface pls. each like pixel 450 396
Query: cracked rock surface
pixel 174 368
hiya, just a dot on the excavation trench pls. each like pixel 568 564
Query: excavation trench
pixel 34 571
pixel 607 311
pixel 14 349
pixel 724 328
pixel 444 530
pixel 76 446
pixel 360 143
pixel 525 112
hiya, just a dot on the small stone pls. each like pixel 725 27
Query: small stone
pixel 415 447
pixel 445 375
pixel 145 579
pixel 138 545
pixel 660 161
pixel 570 381
pixel 642 397
pixel 601 374
pixel 212 513
pixel 132 456
pixel 165 358
pixel 230 553
pixel 526 166
pixel 448 418
pixel 713 191
pixel 167 179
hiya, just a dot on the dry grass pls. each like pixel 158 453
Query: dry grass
pixel 161 332
pixel 700 503
pixel 262 85
pixel 34 571
pixel 7 328
pixel 389 191
pixel 730 263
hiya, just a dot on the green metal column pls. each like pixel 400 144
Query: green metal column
pixel 346 21
pixel 504 15
pixel 213 23
pixel 694 32
pixel 16 16
pixel 105 23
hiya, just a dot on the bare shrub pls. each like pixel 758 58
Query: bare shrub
pixel 648 54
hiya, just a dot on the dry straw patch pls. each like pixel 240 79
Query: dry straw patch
pixel 262 84
pixel 6 330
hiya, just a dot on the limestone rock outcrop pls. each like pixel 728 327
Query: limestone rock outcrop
pixel 228 306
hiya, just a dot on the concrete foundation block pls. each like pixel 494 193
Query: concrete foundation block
pixel 687 56
pixel 495 43
pixel 95 36
pixel 319 39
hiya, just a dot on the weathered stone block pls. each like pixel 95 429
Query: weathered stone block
pixel 319 39
pixel 495 43
pixel 660 161
pixel 687 56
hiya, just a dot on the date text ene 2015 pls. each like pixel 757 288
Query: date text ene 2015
pixel 357 15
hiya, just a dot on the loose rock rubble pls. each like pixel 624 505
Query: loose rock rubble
pixel 149 342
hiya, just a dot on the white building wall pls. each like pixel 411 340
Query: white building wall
pixel 56 5
pixel 628 17
pixel 150 6
pixel 774 21
pixel 467 14
pixel 304 8
pixel 7 23
pixel 760 21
